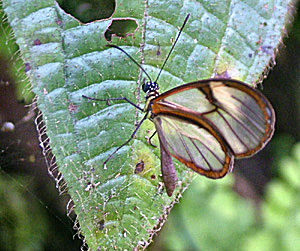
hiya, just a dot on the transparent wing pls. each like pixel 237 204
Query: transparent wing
pixel 241 114
pixel 194 144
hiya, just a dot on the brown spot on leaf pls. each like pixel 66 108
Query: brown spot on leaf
pixel 101 224
pixel 72 108
pixel 58 21
pixel 259 40
pixel 37 42
pixel 158 50
pixel 139 167
pixel 268 49
pixel 27 67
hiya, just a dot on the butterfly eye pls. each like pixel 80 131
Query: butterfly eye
pixel 145 87
pixel 154 86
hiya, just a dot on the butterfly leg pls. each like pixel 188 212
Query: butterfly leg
pixel 108 99
pixel 127 141
pixel 149 140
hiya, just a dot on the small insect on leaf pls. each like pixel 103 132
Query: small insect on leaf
pixel 204 124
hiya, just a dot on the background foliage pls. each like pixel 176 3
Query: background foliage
pixel 218 217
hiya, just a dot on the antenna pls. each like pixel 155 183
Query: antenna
pixel 184 23
pixel 120 49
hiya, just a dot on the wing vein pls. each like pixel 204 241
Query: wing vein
pixel 208 164
pixel 242 103
pixel 230 127
pixel 253 122
pixel 241 123
pixel 184 144
pixel 217 157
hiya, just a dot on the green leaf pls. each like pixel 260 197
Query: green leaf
pixel 117 208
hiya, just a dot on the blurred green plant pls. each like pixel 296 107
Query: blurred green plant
pixel 280 209
pixel 23 224
pixel 211 216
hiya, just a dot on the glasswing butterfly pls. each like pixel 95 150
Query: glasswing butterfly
pixel 204 124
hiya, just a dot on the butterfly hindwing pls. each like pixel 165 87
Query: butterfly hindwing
pixel 195 144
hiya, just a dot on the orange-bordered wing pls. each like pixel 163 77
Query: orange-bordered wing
pixel 238 117
pixel 194 142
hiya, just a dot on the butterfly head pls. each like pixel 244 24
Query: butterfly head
pixel 150 88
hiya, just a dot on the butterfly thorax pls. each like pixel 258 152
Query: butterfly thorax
pixel 150 88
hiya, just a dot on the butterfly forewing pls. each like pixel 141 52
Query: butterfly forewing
pixel 245 116
pixel 242 115
pixel 192 143
pixel 190 99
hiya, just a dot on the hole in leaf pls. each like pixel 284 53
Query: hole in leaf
pixel 120 28
pixel 88 10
